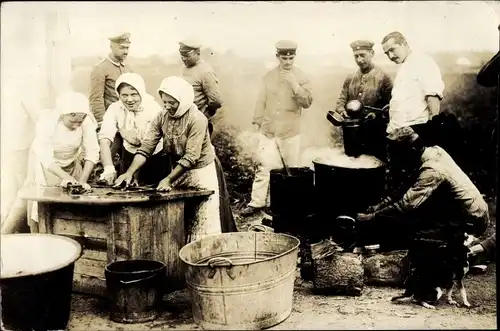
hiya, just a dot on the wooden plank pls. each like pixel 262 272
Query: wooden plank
pixel 80 228
pixel 119 235
pixel 89 285
pixel 95 255
pixel 57 195
pixel 171 237
pixel 89 267
pixel 142 231
pixel 44 218
pixel 78 212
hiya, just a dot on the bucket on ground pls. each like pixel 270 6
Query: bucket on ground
pixel 241 280
pixel 292 198
pixel 37 280
pixel 135 289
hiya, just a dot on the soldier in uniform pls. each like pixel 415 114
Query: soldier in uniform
pixel 207 98
pixel 102 82
pixel 202 77
pixel 284 92
pixel 370 85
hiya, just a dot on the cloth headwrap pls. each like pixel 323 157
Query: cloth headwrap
pixel 181 91
pixel 137 82
pixel 68 103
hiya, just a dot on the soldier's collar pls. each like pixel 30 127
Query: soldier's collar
pixel 118 64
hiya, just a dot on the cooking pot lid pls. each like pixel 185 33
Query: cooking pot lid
pixel 337 158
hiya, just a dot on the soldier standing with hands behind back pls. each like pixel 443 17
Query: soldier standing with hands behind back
pixel 284 92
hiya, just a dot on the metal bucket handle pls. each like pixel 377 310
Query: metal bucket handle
pixel 255 227
pixel 136 280
pixel 220 262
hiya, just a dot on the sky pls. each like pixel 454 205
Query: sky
pixel 251 29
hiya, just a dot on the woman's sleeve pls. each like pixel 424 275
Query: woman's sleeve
pixel 197 130
pixel 90 142
pixel 152 136
pixel 109 124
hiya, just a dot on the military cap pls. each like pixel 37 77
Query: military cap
pixel 358 45
pixel 122 39
pixel 405 136
pixel 286 47
pixel 188 45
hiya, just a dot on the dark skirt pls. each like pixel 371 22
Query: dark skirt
pixel 152 172
pixel 226 214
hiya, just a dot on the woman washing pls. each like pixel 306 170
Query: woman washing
pixel 131 116
pixel 184 130
pixel 64 139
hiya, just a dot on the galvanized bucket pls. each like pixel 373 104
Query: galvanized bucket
pixel 241 280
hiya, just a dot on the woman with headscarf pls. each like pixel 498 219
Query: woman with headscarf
pixel 184 130
pixel 131 116
pixel 64 139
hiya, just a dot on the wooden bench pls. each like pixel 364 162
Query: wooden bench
pixel 114 226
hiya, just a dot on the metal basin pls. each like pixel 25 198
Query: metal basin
pixel 241 280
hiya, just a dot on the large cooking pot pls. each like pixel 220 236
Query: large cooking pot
pixel 355 126
pixel 346 185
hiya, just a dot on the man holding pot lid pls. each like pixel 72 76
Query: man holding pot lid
pixel 440 202
pixel 284 92
pixel 371 87
pixel 368 84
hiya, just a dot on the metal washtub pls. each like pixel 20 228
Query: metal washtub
pixel 241 280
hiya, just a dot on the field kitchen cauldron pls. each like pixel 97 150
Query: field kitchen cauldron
pixel 346 186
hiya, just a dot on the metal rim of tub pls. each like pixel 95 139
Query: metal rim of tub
pixel 78 253
pixel 227 234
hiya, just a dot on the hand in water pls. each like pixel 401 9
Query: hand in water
pixel 165 185
pixel 108 176
pixel 65 182
pixel 125 180
pixel 85 186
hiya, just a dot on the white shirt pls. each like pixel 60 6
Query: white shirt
pixel 61 145
pixel 118 117
pixel 417 77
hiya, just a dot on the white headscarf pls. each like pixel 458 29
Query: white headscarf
pixel 137 82
pixel 180 90
pixel 68 103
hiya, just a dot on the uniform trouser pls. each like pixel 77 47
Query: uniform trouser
pixel 268 158
pixel 14 170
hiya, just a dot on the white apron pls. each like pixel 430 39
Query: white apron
pixel 67 149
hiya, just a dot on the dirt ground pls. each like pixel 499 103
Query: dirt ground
pixel 372 310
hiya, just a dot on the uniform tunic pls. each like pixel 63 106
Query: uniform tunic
pixel 102 86
pixel 372 89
